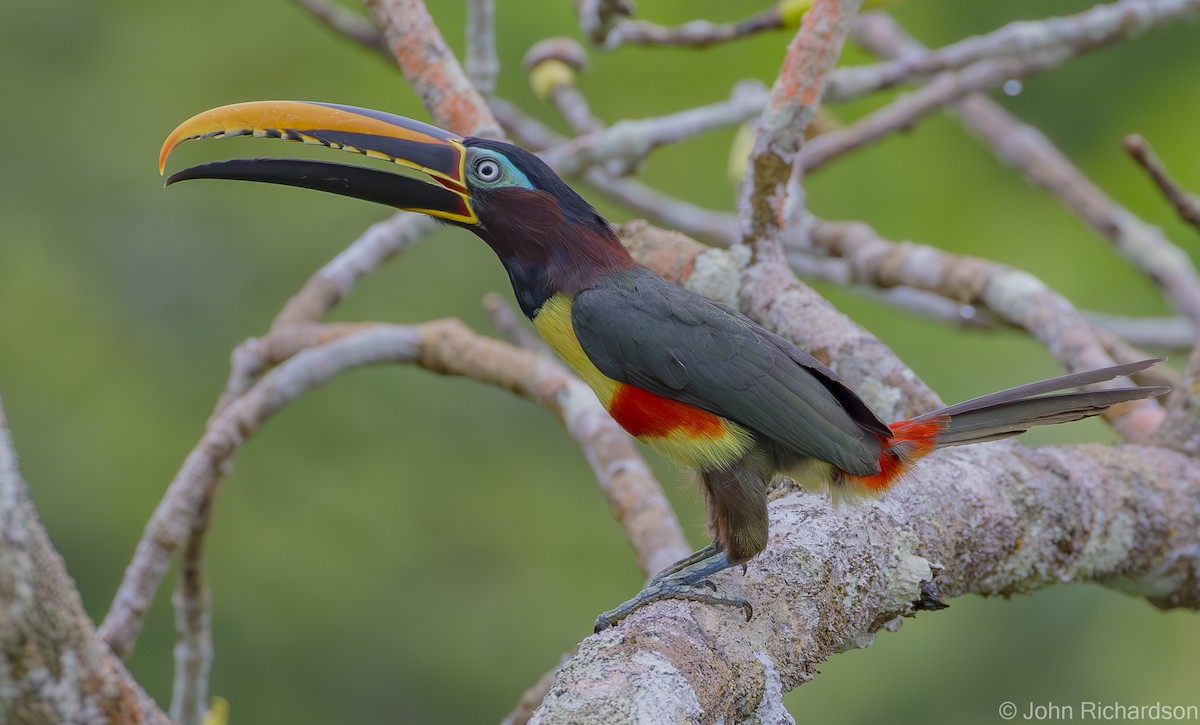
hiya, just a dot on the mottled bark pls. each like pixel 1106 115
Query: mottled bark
pixel 995 518
pixel 53 666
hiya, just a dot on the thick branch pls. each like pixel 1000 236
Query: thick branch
pixel 989 519
pixel 53 666
pixel 431 69
pixel 772 201
pixel 779 132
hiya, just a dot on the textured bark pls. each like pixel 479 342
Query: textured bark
pixel 53 666
pixel 990 519
pixel 431 69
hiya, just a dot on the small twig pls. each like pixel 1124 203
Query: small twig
pixel 907 110
pixel 1143 245
pixel 1186 204
pixel 524 128
pixel 597 18
pixel 552 65
pixel 1030 151
pixel 348 23
pixel 482 63
pixel 715 227
pixel 630 141
pixel 1172 333
pixel 695 34
pixel 1045 42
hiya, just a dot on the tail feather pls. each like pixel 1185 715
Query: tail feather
pixel 1014 417
pixel 1050 385
pixel 1000 415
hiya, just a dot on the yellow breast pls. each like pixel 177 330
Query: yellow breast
pixel 694 438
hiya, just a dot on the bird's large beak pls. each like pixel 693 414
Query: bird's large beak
pixel 439 155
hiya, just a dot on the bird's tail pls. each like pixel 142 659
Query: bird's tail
pixel 999 415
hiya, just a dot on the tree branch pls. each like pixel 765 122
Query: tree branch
pixel 1187 205
pixel 192 601
pixel 1014 295
pixel 695 34
pixel 1044 42
pixel 772 201
pixel 348 23
pixel 55 667
pixel 1028 150
pixel 443 347
pixel 632 140
pixel 779 132
pixel 992 519
pixel 907 110
pixel 431 69
pixel 483 65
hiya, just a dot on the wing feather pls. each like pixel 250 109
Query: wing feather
pixel 639 329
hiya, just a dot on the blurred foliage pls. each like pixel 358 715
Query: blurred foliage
pixel 399 547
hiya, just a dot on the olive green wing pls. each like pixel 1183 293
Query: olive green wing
pixel 639 329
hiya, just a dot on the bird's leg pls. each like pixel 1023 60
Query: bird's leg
pixel 686 579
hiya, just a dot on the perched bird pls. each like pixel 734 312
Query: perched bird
pixel 693 379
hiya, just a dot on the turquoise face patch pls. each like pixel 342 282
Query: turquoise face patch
pixel 488 169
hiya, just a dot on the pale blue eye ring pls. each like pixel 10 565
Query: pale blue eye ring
pixel 487 169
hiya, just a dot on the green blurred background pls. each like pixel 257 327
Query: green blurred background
pixel 400 547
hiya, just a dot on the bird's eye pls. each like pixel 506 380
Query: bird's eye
pixel 487 169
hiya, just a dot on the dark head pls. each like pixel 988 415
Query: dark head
pixel 548 237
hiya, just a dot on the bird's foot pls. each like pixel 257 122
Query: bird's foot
pixel 692 559
pixel 686 579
